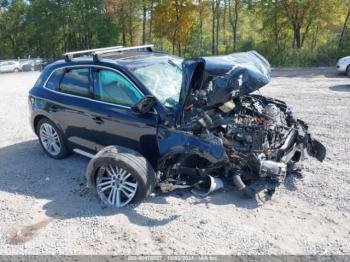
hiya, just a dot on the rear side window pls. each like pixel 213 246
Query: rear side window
pixel 54 81
pixel 76 82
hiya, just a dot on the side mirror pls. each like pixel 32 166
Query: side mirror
pixel 145 105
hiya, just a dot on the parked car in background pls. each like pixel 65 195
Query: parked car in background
pixel 9 66
pixel 28 66
pixel 37 64
pixel 40 64
pixel 343 65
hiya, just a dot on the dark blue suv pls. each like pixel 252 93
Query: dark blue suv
pixel 148 118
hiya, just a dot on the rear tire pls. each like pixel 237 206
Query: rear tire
pixel 121 176
pixel 348 71
pixel 51 139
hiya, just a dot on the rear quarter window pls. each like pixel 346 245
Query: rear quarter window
pixel 54 81
pixel 76 82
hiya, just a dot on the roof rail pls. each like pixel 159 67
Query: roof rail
pixel 70 55
pixel 98 54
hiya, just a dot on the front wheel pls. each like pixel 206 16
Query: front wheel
pixel 348 71
pixel 117 187
pixel 122 177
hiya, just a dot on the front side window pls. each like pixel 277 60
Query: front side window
pixel 76 82
pixel 114 88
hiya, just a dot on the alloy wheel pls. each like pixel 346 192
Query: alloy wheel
pixel 50 139
pixel 116 187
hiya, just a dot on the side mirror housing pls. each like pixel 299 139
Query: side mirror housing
pixel 144 105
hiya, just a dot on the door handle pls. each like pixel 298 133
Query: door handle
pixel 98 120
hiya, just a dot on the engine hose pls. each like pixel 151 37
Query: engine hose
pixel 237 180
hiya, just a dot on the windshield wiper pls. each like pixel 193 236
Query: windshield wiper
pixel 171 62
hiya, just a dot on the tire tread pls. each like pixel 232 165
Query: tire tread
pixel 129 157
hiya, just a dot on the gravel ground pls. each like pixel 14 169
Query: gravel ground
pixel 45 207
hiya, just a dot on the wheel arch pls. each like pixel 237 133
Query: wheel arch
pixel 41 115
pixel 36 121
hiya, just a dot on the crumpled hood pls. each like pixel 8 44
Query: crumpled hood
pixel 223 77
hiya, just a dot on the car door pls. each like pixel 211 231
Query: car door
pixel 115 123
pixel 69 105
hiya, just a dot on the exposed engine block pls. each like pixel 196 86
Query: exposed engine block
pixel 260 137
pixel 256 127
pixel 247 133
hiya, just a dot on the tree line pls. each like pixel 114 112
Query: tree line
pixel 287 32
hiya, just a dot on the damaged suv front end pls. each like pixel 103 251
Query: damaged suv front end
pixel 147 118
pixel 222 132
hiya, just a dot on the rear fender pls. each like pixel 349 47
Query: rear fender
pixel 39 113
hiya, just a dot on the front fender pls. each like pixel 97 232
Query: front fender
pixel 172 142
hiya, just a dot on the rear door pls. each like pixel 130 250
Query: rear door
pixel 69 104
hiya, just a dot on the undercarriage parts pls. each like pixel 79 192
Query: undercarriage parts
pixel 271 168
pixel 215 184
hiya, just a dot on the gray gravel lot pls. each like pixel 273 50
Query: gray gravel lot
pixel 45 207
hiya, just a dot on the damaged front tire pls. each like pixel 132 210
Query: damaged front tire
pixel 121 176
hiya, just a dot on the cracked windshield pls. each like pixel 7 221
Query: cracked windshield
pixel 163 78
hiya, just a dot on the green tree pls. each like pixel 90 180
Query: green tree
pixel 345 24
pixel 288 32
pixel 12 24
pixel 234 10
pixel 302 14
pixel 173 20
